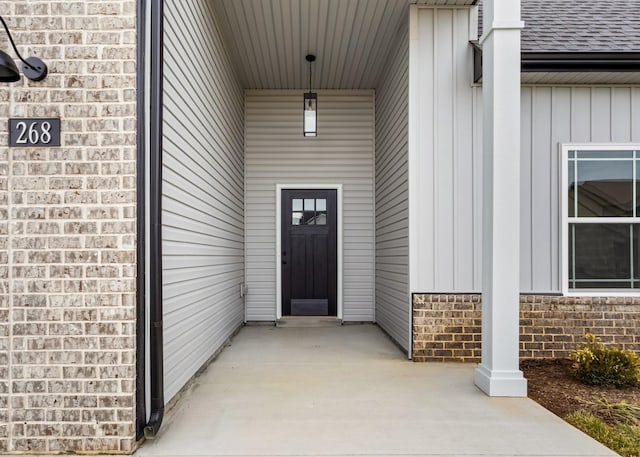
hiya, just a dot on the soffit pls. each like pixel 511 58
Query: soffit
pixel 268 40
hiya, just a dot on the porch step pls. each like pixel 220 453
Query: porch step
pixel 308 321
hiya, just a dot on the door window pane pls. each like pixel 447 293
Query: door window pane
pixel 309 218
pixel 309 211
pixel 321 218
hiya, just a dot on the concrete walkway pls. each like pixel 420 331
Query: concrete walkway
pixel 348 391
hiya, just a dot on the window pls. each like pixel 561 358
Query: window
pixel 309 211
pixel 602 217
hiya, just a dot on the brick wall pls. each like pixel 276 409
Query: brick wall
pixel 67 232
pixel 448 327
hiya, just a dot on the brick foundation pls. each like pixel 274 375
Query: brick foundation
pixel 448 327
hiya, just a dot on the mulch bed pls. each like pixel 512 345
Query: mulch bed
pixel 551 385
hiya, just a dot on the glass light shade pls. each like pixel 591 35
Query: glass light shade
pixel 310 114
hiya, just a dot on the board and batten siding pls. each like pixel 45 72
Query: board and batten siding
pixel 277 153
pixel 393 304
pixel 202 192
pixel 443 158
pixel 552 116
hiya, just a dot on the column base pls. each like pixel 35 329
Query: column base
pixel 501 383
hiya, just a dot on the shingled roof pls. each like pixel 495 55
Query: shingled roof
pixel 580 26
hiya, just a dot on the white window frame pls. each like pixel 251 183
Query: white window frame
pixel 564 218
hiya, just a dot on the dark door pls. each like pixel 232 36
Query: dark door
pixel 309 253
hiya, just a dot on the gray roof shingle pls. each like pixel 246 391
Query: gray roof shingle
pixel 581 26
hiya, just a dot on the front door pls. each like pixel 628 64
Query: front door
pixel 309 253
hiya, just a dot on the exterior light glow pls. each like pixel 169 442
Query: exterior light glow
pixel 310 112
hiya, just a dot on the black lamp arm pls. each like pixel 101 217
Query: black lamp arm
pixel 14 45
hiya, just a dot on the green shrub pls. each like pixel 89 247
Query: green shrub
pixel 599 365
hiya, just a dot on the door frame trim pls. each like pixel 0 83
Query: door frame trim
pixel 339 259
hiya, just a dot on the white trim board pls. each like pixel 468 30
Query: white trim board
pixel 279 189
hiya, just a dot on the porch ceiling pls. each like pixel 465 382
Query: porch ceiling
pixel 268 40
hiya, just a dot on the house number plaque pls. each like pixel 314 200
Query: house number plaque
pixel 31 132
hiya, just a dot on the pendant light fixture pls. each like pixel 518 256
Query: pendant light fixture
pixel 310 108
pixel 33 68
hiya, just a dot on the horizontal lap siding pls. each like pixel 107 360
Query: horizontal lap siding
pixel 552 116
pixel 202 208
pixel 392 196
pixel 342 153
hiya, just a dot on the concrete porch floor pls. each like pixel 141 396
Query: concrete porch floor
pixel 348 391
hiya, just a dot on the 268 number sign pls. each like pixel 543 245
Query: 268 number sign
pixel 34 132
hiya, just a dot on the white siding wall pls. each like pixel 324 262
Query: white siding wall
pixel 445 145
pixel 552 116
pixel 203 215
pixel 392 195
pixel 447 173
pixel 444 228
pixel 277 153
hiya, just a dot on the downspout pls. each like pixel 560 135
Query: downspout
pixel 141 407
pixel 155 243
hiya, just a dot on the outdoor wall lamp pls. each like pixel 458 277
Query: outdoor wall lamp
pixel 310 105
pixel 33 68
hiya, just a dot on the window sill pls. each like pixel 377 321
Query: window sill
pixel 602 293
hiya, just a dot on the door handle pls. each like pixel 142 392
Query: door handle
pixel 284 262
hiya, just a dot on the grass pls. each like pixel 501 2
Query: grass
pixel 620 412
pixel 610 416
pixel 623 437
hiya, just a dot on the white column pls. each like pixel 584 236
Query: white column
pixel 498 374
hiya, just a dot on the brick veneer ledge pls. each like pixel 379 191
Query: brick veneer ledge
pixel 448 327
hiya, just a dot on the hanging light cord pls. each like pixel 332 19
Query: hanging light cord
pixel 14 46
pixel 310 62
pixel 309 84
pixel 309 77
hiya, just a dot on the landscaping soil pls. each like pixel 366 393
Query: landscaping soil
pixel 551 385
